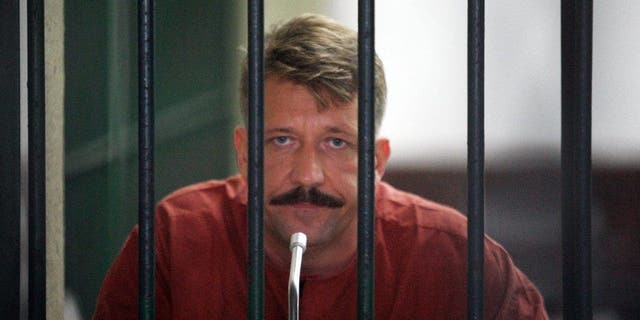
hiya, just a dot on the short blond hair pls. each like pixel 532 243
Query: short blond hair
pixel 321 54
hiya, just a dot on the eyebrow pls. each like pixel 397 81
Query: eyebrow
pixel 332 130
pixel 277 130
pixel 342 131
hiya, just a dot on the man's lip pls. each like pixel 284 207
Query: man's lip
pixel 304 205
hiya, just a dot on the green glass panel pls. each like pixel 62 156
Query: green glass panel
pixel 195 89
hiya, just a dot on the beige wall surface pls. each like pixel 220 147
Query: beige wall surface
pixel 54 153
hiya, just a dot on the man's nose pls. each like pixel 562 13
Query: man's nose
pixel 307 170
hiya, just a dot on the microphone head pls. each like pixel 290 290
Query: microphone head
pixel 298 239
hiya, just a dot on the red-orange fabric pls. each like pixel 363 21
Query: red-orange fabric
pixel 421 250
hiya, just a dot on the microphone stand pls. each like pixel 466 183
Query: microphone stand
pixel 298 245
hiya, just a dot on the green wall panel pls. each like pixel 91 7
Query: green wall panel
pixel 195 89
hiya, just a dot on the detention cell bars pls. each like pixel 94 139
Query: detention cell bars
pixel 576 158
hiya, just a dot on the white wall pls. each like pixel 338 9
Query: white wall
pixel 423 46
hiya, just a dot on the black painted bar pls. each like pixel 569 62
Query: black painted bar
pixel 577 31
pixel 255 267
pixel 37 199
pixel 475 158
pixel 146 261
pixel 10 159
pixel 366 160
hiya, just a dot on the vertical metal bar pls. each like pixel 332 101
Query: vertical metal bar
pixel 146 262
pixel 577 30
pixel 255 268
pixel 366 160
pixel 10 179
pixel 37 200
pixel 475 158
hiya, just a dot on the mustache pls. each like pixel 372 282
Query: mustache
pixel 304 195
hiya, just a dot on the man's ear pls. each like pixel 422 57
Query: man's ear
pixel 383 151
pixel 240 144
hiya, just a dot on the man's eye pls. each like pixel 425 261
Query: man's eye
pixel 282 141
pixel 337 143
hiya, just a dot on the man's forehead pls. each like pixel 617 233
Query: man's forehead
pixel 323 97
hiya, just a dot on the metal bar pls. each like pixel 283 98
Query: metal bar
pixel 37 200
pixel 475 158
pixel 366 160
pixel 10 179
pixel 577 31
pixel 146 262
pixel 255 267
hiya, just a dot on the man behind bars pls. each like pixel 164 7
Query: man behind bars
pixel 310 167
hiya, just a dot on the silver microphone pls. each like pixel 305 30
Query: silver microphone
pixel 297 245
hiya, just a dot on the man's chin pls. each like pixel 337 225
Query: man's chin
pixel 314 233
pixel 317 222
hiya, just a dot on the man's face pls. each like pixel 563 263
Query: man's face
pixel 310 164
